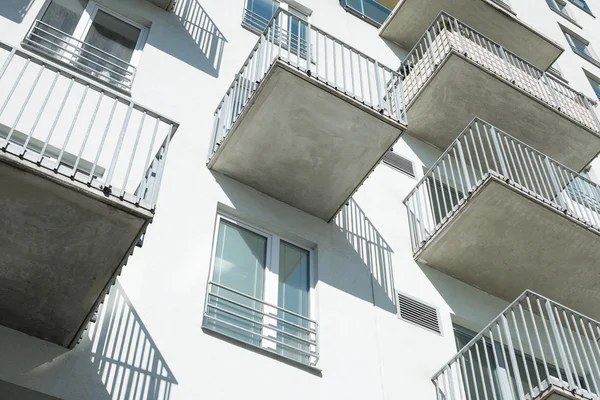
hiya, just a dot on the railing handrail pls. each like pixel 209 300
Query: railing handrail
pixel 427 174
pixel 86 81
pixel 81 42
pixel 316 29
pixel 510 306
pixel 312 321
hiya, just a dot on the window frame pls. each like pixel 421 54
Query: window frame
pixel 592 78
pixel 585 8
pixel 563 11
pixel 271 277
pixel 361 14
pixel 588 54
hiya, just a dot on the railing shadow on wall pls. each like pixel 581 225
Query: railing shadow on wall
pixel 199 42
pixel 15 10
pixel 123 353
pixel 372 249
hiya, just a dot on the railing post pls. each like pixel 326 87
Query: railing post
pixel 552 92
pixel 464 166
pixel 460 36
pixel 430 50
pixel 557 188
pixel 7 61
pixel 499 153
pixel 513 357
pixel 559 342
pixel 378 84
pixel 308 47
pixel 590 109
pixel 508 65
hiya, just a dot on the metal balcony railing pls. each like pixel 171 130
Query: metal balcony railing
pixel 94 61
pixel 320 56
pixel 75 128
pixel 254 21
pixel 260 324
pixel 533 344
pixel 448 35
pixel 482 152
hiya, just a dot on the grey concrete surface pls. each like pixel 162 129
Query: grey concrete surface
pixel 410 19
pixel 9 391
pixel 60 248
pixel 557 393
pixel 164 4
pixel 304 145
pixel 504 242
pixel 460 91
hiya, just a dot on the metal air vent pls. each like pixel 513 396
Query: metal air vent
pixel 400 163
pixel 418 313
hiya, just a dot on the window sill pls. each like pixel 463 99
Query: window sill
pixel 75 70
pixel 586 57
pixel 567 17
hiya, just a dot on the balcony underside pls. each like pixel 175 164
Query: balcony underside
pixel 460 90
pixel 303 143
pixel 62 245
pixel 410 18
pixel 164 4
pixel 503 241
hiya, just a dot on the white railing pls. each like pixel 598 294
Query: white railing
pixel 73 127
pixel 260 324
pixel 447 35
pixel 533 345
pixel 482 152
pixel 254 21
pixel 321 57
pixel 78 54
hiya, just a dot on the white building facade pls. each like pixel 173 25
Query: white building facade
pixel 350 192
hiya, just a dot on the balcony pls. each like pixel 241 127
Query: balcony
pixel 493 18
pixel 461 74
pixel 80 168
pixel 254 322
pixel 501 216
pixel 82 56
pixel 535 349
pixel 307 118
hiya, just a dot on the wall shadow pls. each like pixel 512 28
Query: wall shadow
pixel 123 353
pixel 373 250
pixel 15 10
pixel 200 42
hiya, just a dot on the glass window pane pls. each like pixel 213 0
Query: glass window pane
pixel 259 12
pixel 58 25
pixel 240 261
pixel 111 35
pixel 294 287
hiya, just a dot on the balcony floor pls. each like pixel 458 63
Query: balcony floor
pixel 61 247
pixel 503 241
pixel 460 90
pixel 304 143
pixel 411 18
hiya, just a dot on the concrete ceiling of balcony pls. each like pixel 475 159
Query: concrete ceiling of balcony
pixel 164 4
pixel 461 91
pixel 303 143
pixel 504 242
pixel 410 19
pixel 61 247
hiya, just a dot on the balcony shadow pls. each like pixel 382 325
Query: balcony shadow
pixel 200 42
pixel 15 10
pixel 365 241
pixel 123 353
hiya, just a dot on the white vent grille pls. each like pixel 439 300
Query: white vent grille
pixel 418 313
pixel 400 163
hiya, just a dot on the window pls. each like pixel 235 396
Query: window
pixel 370 10
pixel 595 83
pixel 560 7
pixel 261 292
pixel 582 4
pixel 90 38
pixel 581 47
pixel 258 13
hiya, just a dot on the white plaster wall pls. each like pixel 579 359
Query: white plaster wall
pixel 366 351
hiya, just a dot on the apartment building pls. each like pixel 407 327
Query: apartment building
pixel 299 199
